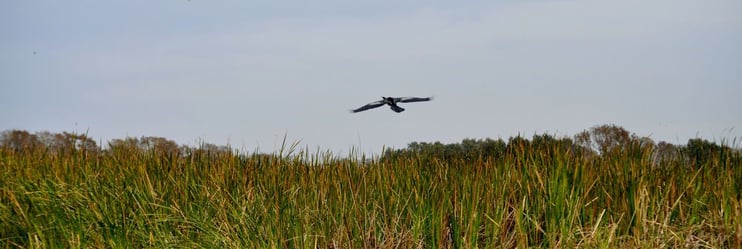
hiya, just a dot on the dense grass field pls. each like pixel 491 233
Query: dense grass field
pixel 552 198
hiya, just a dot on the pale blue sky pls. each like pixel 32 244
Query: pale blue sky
pixel 248 72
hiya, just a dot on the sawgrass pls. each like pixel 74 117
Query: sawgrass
pixel 548 198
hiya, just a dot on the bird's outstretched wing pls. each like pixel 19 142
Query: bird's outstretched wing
pixel 368 106
pixel 412 99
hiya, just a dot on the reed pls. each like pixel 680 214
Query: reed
pixel 299 199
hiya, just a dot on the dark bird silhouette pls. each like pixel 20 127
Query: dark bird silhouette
pixel 392 102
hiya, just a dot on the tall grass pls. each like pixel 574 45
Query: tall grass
pixel 550 198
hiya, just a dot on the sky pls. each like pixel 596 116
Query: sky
pixel 249 73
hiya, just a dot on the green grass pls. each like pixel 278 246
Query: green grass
pixel 134 199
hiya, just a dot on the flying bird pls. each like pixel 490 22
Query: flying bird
pixel 392 102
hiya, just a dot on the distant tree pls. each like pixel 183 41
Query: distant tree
pixel 19 140
pixel 160 146
pixel 64 142
pixel 48 139
pixel 546 145
pixel 210 150
pixel 156 145
pixel 126 145
pixel 492 148
pixel 67 142
pixel 470 148
pixel 665 152
pixel 484 148
pixel 517 146
pixel 605 138
pixel 543 141
pixel 466 150
pixel 584 140
pixel 549 146
pixel 700 151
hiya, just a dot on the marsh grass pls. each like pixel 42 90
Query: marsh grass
pixel 297 199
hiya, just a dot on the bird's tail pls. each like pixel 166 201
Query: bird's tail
pixel 396 108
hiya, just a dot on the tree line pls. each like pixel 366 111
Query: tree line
pixel 21 141
pixel 596 142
